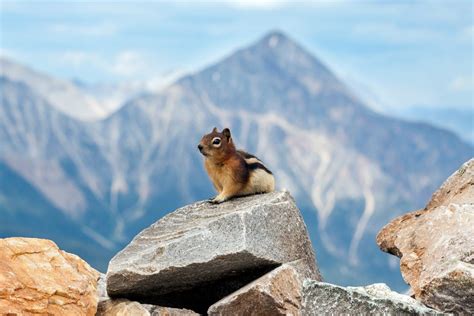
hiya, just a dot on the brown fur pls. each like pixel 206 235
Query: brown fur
pixel 229 172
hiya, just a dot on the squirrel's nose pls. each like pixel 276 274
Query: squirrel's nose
pixel 200 147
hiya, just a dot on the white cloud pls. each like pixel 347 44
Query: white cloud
pixel 79 58
pixel 462 84
pixel 260 4
pixel 94 29
pixel 129 63
pixel 392 33
pixel 125 64
pixel 468 32
pixel 6 52
pixel 272 4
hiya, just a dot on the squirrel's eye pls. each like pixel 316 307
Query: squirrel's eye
pixel 216 141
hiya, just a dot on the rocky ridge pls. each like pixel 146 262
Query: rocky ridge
pixel 248 256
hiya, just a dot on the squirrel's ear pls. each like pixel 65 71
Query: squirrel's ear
pixel 226 133
pixel 214 130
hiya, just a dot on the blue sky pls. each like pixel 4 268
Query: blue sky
pixel 393 53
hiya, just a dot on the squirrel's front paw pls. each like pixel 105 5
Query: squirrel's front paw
pixel 217 200
pixel 213 200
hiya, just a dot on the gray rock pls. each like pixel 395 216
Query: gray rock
pixel 202 252
pixel 321 298
pixel 101 288
pixel 276 293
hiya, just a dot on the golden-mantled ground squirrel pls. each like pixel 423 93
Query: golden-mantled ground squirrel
pixel 233 172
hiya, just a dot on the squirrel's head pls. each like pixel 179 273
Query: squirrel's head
pixel 216 145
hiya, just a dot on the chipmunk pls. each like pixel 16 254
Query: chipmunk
pixel 233 172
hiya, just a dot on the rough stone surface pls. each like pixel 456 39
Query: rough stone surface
pixel 436 245
pixel 276 293
pixel 457 189
pixel 124 307
pixel 321 298
pixel 211 249
pixel 121 307
pixel 37 278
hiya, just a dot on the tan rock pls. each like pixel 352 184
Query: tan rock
pixel 121 307
pixel 276 293
pixel 457 189
pixel 436 245
pixel 37 278
pixel 124 307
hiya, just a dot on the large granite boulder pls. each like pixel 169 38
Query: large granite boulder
pixel 436 245
pixel 202 252
pixel 321 298
pixel 36 278
pixel 276 293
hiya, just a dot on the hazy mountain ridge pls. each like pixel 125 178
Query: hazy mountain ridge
pixel 26 212
pixel 336 156
pixel 459 120
pixel 75 99
pixel 48 150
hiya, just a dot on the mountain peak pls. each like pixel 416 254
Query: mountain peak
pixel 275 62
pixel 286 55
pixel 273 38
pixel 278 42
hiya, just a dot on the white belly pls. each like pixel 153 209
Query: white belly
pixel 260 182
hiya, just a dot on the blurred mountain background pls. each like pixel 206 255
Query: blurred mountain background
pixel 89 165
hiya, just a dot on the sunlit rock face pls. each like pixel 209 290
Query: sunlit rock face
pixel 436 245
pixel 37 278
